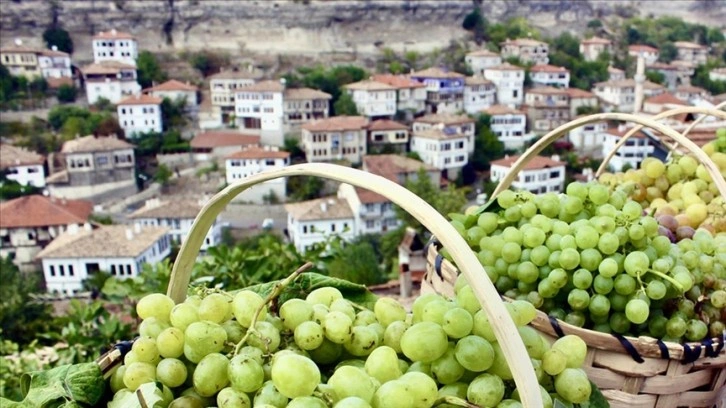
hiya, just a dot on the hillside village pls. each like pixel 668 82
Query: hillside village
pixel 128 136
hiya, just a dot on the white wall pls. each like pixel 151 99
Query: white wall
pixel 137 119
pixel 510 85
pixel 632 153
pixel 179 229
pixel 113 90
pixel 411 99
pixel 320 147
pixel 478 98
pixel 124 50
pixel 238 169
pixel 189 96
pixel 55 66
pixel 588 137
pixel 557 79
pixel 478 64
pixel 510 129
pixel 33 175
pixel 446 154
pixel 538 181
pixel 306 233
pixel 374 103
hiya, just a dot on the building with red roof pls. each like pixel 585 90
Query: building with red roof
pixel 540 175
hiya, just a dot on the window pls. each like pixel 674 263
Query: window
pixel 332 227
pixel 370 224
pixel 305 229
pixel 102 160
pixel 61 270
pixel 113 269
pixel 70 270
pixel 460 145
pixel 554 174
pixel 52 270
pixel 270 162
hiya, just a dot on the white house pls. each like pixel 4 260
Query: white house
pixel 591 48
pixel 588 139
pixel 509 80
pixel 547 108
pixel 444 142
pixel 410 94
pixel 676 73
pixel 22 165
pixel 374 213
pixel 252 160
pixel 620 95
pixel 615 74
pixel 637 148
pixel 215 144
pixel 450 125
pixel 479 93
pixel 550 75
pixel 335 138
pixel 224 86
pixel 115 46
pixel 527 50
pixel 479 61
pixel 259 110
pixel 176 91
pixel 717 74
pixel 444 89
pixel 373 99
pixel 140 114
pixel 650 54
pixel 581 98
pixel 54 64
pixel 314 221
pixel 540 175
pixel 36 62
pixel 385 133
pixel 509 124
pixel 302 105
pixel 176 214
pixel 29 223
pixel 111 80
pixel 696 54
pixel 691 93
pixel 659 103
pixel 121 250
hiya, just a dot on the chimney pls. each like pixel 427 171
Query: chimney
pixel 18 42
pixel 129 234
pixel 87 227
pixel 113 31
pixel 137 228
pixel 73 229
pixel 555 157
pixel 324 206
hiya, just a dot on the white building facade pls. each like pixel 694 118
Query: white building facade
pixel 21 165
pixel 479 61
pixel 140 114
pixel 479 93
pixel 315 221
pixel 509 125
pixel 591 48
pixel 373 99
pixel 335 138
pixel 176 91
pixel 635 150
pixel 527 50
pixel 55 64
pixel 649 54
pixel 253 160
pixel 509 80
pixel 259 110
pixel 115 46
pixel 691 52
pixel 410 94
pixel 111 80
pixel 550 75
pixel 588 138
pixel 540 175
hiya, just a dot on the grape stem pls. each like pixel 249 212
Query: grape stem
pixel 668 278
pixel 276 291
pixel 456 401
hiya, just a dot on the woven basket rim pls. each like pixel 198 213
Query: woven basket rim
pixel 646 346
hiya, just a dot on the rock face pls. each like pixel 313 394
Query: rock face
pixel 311 27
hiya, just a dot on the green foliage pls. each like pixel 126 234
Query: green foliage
pixel 328 80
pixel 355 262
pixel 10 189
pixel 71 120
pixel 58 37
pixel 487 146
pixel 655 76
pixel 516 27
pixel 66 93
pixel 587 110
pixel 103 220
pixel 583 74
pixel 658 31
pixel 477 25
pixel 21 317
pixel 414 155
pixel 104 105
pixel 163 174
pixel 345 105
pixel 667 52
pixel 702 79
pixel 172 113
pixel 292 146
pixel 151 279
pixel 444 201
pixel 207 62
pixel 148 69
pixel 594 23
pixel 389 243
pixel 304 188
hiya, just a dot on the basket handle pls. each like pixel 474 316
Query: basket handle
pixel 663 115
pixel 544 141
pixel 505 331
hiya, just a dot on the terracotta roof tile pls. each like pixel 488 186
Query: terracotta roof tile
pixel 477 81
pixel 524 42
pixel 435 72
pixel 264 86
pixel 547 68
pixel 666 98
pixel 628 83
pixel 11 156
pixel 142 99
pixel 436 134
pixel 691 89
pixel 391 165
pixel 621 131
pixel 547 90
pixel 325 208
pixel 55 83
pixel 106 67
pixel 87 144
pixel 257 152
pixel 688 44
pixel 236 74
pixel 220 138
pixel 172 208
pixel 173 85
pixel 579 93
pixel 370 197
pixel 536 163
pixel 398 81
pixel 482 53
pixel 445 118
pixel 113 35
pixel 40 211
pixel 502 110
pixel 336 123
pixel 108 241
pixel 305 93
pixel 369 85
pixel 386 124
pixel 596 40
pixel 642 48
pixel 505 67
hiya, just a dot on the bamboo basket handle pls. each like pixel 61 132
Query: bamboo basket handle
pixel 665 114
pixel 544 141
pixel 693 124
pixel 506 332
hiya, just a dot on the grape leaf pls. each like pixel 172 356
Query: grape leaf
pixel 65 386
pixel 153 398
pixel 491 206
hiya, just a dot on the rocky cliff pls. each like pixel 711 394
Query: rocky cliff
pixel 312 27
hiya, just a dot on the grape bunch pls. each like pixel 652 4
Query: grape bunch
pixel 591 258
pixel 226 350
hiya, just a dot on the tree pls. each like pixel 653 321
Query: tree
pixel 104 105
pixel 148 69
pixel 163 174
pixel 475 23
pixel 356 262
pixel 668 52
pixel 21 317
pixel 444 201
pixel 487 146
pixel 594 24
pixel 655 76
pixel 208 62
pixel 304 188
pixel 172 113
pixel 58 37
pixel 567 43
pixel 66 93
pixel 292 146
pixel 345 105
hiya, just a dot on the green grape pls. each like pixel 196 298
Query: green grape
pixel 632 210
pixel 116 382
pixel 446 369
pixel 572 205
pixel 388 310
pixel 511 252
pixel 352 402
pixel 696 330
pixel 320 311
pixel 532 341
pixel 569 259
pixel 676 327
pixel 363 340
pixel 474 353
pixel 364 318
pixel 582 279
pixel 229 398
pixel 203 338
pixel 568 241
pixel 269 339
pixel 344 306
pixel 559 277
pixel 624 284
pixel 586 237
pixel 307 402
pixel 392 335
pixel 554 361
pixel 382 364
pixel 590 259
pixel 138 373
pixel 486 390
pixel 294 375
pixel 574 348
pixel 539 255
pixel 294 312
pixel 420 303
pixel 245 374
pixel 393 394
pixel 216 308
pixel 573 385
pixel 270 395
pixel 458 323
pixel 210 376
pixel 608 267
pixel 507 198
pixel 488 222
pixel 435 311
pixel 171 372
pixel 253 353
pixel 466 299
pixel 482 327
pixel 533 237
pixel 528 209
pixel 155 305
pixel 308 335
pixel 500 367
pixel 522 312
pixel 599 305
pixel 245 305
pixel 170 342
pixel 527 272
pixel 145 350
pixel 425 341
pixel 636 263
pixel 423 388
pixel 183 314
pixel 152 327
pixel 598 194
pixel 337 327
pixel 656 290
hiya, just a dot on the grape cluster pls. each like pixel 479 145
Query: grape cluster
pixel 229 351
pixel 591 258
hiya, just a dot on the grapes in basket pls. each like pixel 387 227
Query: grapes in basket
pixel 242 350
pixel 591 258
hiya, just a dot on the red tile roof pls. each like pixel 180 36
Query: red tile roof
pixel 505 67
pixel 664 98
pixel 547 68
pixel 536 163
pixel 482 53
pixel 445 118
pixel 40 211
pixel 264 86
pixel 55 83
pixel 113 35
pixel 596 40
pixel 173 85
pixel 106 67
pixel 386 124
pixel 220 138
pixel 336 123
pixel 642 48
pixel 688 44
pixel 141 100
pixel 621 131
pixel 369 85
pixel 501 110
pixel 579 93
pixel 257 152
pixel 524 42
pixel 397 81
pixel 11 156
pixel 305 93
pixel 435 72
pixel 88 144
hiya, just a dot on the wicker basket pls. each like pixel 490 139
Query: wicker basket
pixel 631 372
